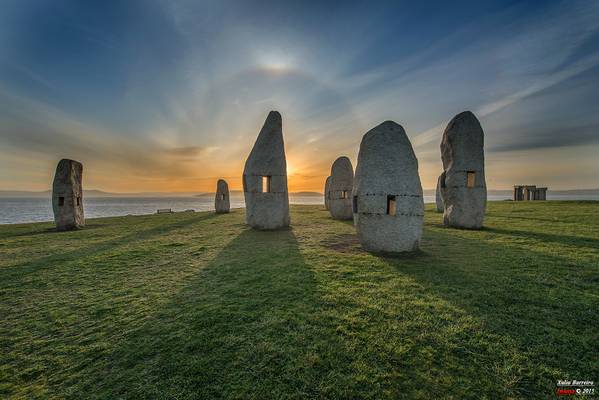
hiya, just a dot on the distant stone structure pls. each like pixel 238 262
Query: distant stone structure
pixel 265 178
pixel 327 195
pixel 222 203
pixel 67 195
pixel 341 185
pixel 529 193
pixel 387 200
pixel 463 186
pixel 438 198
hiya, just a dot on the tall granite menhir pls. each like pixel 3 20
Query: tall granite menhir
pixel 222 203
pixel 341 185
pixel 265 178
pixel 67 195
pixel 463 186
pixel 387 197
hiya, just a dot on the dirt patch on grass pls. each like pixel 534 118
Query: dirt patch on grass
pixel 345 243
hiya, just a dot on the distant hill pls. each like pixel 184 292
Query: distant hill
pixel 232 193
pixel 235 193
pixel 311 194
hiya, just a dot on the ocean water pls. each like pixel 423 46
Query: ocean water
pixel 35 209
pixel 23 210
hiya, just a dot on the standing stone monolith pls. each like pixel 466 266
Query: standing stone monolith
pixel 438 198
pixel 265 178
pixel 67 195
pixel 387 197
pixel 222 202
pixel 463 186
pixel 327 195
pixel 342 181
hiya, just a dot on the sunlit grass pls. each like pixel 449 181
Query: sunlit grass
pixel 195 305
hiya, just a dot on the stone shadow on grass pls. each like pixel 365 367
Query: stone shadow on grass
pixel 520 294
pixel 245 326
pixel 48 231
pixel 568 240
pixel 23 269
pixel 254 323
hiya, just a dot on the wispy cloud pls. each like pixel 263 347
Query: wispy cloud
pixel 177 98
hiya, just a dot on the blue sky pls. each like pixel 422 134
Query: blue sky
pixel 170 95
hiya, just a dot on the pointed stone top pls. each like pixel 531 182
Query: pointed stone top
pixel 68 161
pixel 268 154
pixel 274 116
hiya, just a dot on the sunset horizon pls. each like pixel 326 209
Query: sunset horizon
pixel 175 101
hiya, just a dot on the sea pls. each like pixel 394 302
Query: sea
pixel 37 209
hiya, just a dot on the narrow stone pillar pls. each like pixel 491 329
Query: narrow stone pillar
pixel 222 203
pixel 342 180
pixel 465 192
pixel 67 195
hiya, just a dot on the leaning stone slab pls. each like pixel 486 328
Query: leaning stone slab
pixel 388 206
pixel 341 185
pixel 463 189
pixel 67 195
pixel 327 195
pixel 438 197
pixel 265 178
pixel 222 203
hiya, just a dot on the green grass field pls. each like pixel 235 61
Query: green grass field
pixel 196 305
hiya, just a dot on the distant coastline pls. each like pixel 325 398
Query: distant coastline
pixel 101 194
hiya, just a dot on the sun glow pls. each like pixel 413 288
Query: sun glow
pixel 291 170
pixel 275 61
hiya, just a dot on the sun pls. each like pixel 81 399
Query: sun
pixel 290 169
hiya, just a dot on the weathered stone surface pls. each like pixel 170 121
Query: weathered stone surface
pixel 265 178
pixel 438 197
pixel 341 185
pixel 327 195
pixel 222 203
pixel 387 196
pixel 463 189
pixel 67 195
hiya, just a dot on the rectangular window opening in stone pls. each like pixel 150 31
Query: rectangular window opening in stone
pixel 61 201
pixel 471 177
pixel 266 184
pixel 344 194
pixel 355 204
pixel 222 196
pixel 391 205
pixel 78 201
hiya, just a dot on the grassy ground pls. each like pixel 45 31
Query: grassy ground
pixel 195 305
